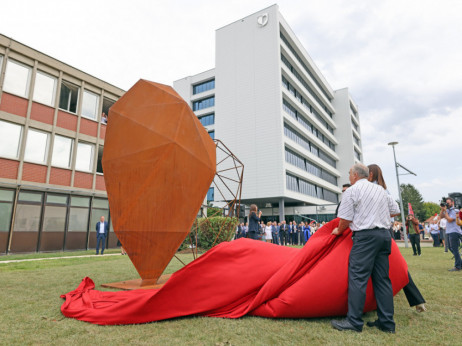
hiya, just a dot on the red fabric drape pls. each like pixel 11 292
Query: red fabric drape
pixel 238 278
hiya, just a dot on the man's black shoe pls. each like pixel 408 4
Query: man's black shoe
pixel 344 325
pixel 377 325
pixel 454 269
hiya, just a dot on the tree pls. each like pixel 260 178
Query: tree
pixel 410 194
pixel 430 209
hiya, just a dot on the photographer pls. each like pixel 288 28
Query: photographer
pixel 412 229
pixel 254 227
pixel 453 231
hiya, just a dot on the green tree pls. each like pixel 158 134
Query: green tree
pixel 430 209
pixel 411 195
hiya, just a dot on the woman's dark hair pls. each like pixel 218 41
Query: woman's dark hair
pixel 253 208
pixel 375 174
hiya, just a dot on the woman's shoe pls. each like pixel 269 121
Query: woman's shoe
pixel 421 308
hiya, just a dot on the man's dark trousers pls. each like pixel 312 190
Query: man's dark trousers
pixel 100 237
pixel 369 258
pixel 454 242
pixel 415 242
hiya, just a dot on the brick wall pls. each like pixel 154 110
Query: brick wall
pixel 67 121
pixel 33 172
pixel 13 104
pixel 83 180
pixel 9 169
pixel 102 131
pixel 42 113
pixel 88 127
pixel 100 185
pixel 60 176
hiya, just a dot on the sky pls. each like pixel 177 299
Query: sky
pixel 399 59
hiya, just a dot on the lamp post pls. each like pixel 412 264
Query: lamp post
pixel 406 244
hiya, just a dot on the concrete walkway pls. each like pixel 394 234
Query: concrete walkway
pixel 56 258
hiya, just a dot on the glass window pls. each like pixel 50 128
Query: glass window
pixel 5 216
pixel 6 195
pixel 30 197
pixel 211 194
pixel 17 78
pixel 204 103
pixel 101 203
pixel 207 120
pixel 99 164
pixel 84 161
pixel 199 88
pixel 96 216
pixel 36 146
pixel 212 134
pixel 45 88
pixel 80 201
pixel 107 104
pixel 10 139
pixel 78 219
pixel 62 149
pixel 54 219
pixel 56 199
pixel 90 104
pixel 27 218
pixel 69 97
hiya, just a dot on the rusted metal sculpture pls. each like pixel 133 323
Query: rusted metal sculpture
pixel 158 164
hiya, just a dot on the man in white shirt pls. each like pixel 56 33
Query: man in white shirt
pixel 367 209
pixel 443 236
pixel 102 230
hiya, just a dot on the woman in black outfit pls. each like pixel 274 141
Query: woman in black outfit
pixel 413 295
pixel 254 220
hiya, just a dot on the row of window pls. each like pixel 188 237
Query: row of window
pixel 302 186
pixel 207 120
pixel 308 166
pixel 306 104
pixel 18 82
pixel 357 155
pixel 311 74
pixel 38 146
pixel 211 194
pixel 52 221
pixel 356 139
pixel 305 84
pixel 305 143
pixel 310 127
pixel 204 86
pixel 353 110
pixel 212 134
pixel 204 103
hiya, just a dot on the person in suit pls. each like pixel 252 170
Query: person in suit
pixel 275 231
pixel 283 230
pixel 254 219
pixel 102 230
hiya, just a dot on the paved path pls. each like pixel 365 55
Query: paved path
pixel 56 258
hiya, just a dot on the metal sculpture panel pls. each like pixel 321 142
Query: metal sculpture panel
pixel 158 164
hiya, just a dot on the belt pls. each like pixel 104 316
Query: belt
pixel 372 229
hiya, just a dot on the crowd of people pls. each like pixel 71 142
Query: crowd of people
pixel 280 233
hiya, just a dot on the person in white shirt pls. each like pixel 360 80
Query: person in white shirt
pixel 367 209
pixel 102 230
pixel 269 232
pixel 443 236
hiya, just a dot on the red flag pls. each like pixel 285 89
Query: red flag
pixel 409 208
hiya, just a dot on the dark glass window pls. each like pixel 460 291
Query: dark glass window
pixel 310 167
pixel 302 186
pixel 68 97
pixel 204 103
pixel 208 119
pixel 212 134
pixel 99 164
pixel 199 88
pixel 211 194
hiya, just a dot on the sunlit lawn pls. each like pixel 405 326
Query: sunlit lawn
pixel 30 314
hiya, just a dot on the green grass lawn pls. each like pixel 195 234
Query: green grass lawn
pixel 30 309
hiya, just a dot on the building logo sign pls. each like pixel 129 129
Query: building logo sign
pixel 262 20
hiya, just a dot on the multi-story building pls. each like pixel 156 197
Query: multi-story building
pixel 270 104
pixel 52 128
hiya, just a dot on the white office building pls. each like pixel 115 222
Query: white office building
pixel 272 107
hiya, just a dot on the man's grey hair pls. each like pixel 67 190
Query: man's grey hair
pixel 361 170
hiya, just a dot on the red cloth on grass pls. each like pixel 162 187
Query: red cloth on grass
pixel 238 278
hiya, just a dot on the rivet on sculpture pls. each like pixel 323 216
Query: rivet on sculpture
pixel 158 164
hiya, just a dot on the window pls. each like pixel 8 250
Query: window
pixel 62 149
pixel 107 104
pixel 212 134
pixel 78 214
pixel 28 212
pixel 10 139
pixel 36 146
pixel 99 164
pixel 17 78
pixel 308 166
pixel 90 105
pixel 69 97
pixel 55 213
pixel 6 209
pixel 302 186
pixel 199 88
pixel 204 103
pixel 99 208
pixel 211 194
pixel 84 160
pixel 45 88
pixel 207 120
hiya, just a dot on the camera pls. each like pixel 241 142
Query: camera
pixel 443 202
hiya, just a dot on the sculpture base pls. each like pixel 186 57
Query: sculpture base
pixel 139 283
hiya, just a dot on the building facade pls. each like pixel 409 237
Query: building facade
pixel 270 104
pixel 52 127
